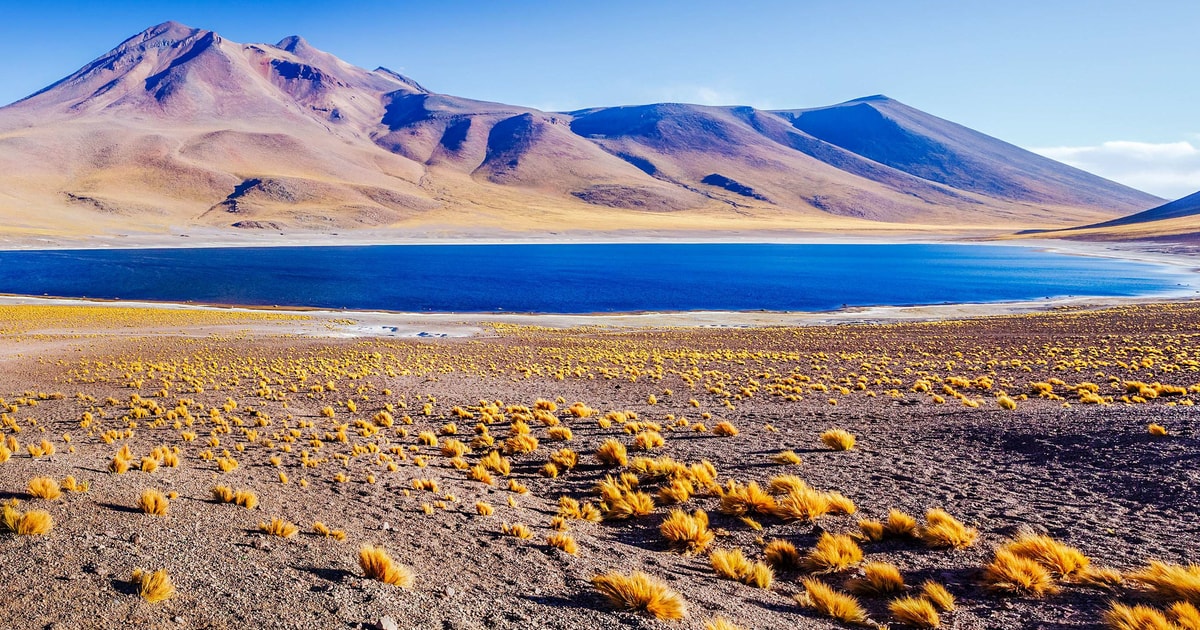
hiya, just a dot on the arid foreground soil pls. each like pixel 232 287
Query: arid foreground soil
pixel 340 431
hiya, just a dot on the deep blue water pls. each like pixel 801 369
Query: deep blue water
pixel 578 278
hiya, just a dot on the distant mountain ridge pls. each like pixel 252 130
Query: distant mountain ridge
pixel 177 126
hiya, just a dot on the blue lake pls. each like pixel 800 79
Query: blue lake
pixel 581 278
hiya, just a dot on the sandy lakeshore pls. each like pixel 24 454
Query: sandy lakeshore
pixel 314 410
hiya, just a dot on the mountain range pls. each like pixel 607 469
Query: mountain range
pixel 179 127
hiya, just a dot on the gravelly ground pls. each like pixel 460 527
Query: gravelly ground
pixel 1090 475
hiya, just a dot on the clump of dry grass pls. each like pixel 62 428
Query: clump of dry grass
pixel 826 601
pixel 1170 581
pixel 725 428
pixel 833 552
pixel 740 500
pixel 378 565
pixel 915 612
pixel 732 564
pixel 44 488
pixel 480 473
pixel 642 593
pixel 153 502
pixel 154 586
pixel 1059 558
pixel 938 594
pixel 942 531
pixel 484 509
pixel 838 439
pixel 688 533
pixel 1137 617
pixel 879 578
pixel 782 555
pixel 70 484
pixel 279 527
pixel 618 500
pixel 870 530
pixel 648 440
pixel 246 499
pixel 612 453
pixel 899 525
pixel 496 463
pixel 1100 577
pixel 223 494
pixel 321 529
pixel 721 623
pixel 31 523
pixel 1014 575
pixel 564 542
pixel 786 457
pixel 517 530
pixel 520 443
pixel 1157 430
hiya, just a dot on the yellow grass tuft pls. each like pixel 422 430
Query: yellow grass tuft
pixel 1139 617
pixel 838 439
pixel 870 530
pixel 938 594
pixel 119 465
pixel 279 527
pixel 731 564
pixel 154 586
pixel 484 509
pixel 31 523
pixel 44 488
pixel 740 500
pixel 642 593
pixel 803 503
pixel 496 463
pixel 1157 430
pixel 612 453
pixel 564 542
pixel 520 443
pixel 724 428
pixel 1011 574
pixel 517 530
pixel 782 555
pixel 70 484
pixel 321 529
pixel 833 552
pixel 1100 577
pixel 153 502
pixel 648 440
pixel 899 525
pixel 786 457
pixel 480 473
pixel 685 532
pixel 224 494
pixel 1006 403
pixel 942 531
pixel 246 499
pixel 915 612
pixel 1186 616
pixel 721 623
pixel 1170 581
pixel 378 565
pixel 879 578
pixel 831 603
pixel 1061 559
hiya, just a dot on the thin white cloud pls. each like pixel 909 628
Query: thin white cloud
pixel 699 95
pixel 1166 169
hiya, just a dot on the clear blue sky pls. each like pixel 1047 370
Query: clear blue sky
pixel 1042 74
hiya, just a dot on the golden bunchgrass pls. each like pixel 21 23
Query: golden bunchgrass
pixel 612 453
pixel 688 533
pixel 942 531
pixel 915 612
pixel 1137 617
pixel 833 552
pixel 828 602
pixel 838 439
pixel 379 566
pixel 562 541
pixel 732 564
pixel 44 488
pixel 153 586
pixel 642 593
pixel 1060 559
pixel 153 502
pixel 279 527
pixel 739 500
pixel 938 594
pixel 1172 582
pixel 782 555
pixel 1011 574
pixel 879 578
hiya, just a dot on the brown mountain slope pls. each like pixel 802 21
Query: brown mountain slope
pixel 1178 220
pixel 178 126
